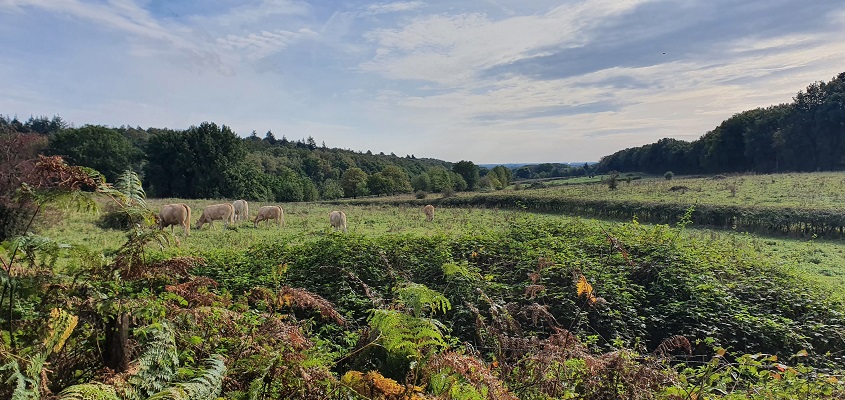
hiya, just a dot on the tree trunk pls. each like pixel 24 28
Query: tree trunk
pixel 116 352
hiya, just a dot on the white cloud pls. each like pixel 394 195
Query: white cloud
pixel 451 49
pixel 264 43
pixel 384 8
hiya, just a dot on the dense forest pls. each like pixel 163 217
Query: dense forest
pixel 805 135
pixel 212 161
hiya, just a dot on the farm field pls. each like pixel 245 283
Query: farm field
pixel 823 190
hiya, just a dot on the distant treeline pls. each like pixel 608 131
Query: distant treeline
pixel 805 135
pixel 211 161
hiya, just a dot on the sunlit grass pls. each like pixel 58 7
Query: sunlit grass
pixel 817 260
pixel 810 190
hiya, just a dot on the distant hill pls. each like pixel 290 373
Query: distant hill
pixel 517 165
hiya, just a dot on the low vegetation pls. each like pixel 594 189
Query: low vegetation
pixel 498 305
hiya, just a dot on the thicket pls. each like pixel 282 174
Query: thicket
pixel 804 135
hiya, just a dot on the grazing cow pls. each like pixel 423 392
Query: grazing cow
pixel 337 219
pixel 175 214
pixel 224 212
pixel 268 213
pixel 241 210
pixel 428 210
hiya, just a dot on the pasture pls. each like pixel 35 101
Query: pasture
pixel 822 190
pixel 821 261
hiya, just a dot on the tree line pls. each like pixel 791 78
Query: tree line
pixel 807 134
pixel 212 161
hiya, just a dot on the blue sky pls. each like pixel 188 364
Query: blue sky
pixel 485 80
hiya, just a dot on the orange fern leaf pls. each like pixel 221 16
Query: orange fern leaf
pixel 585 289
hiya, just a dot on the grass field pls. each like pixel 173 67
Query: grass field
pixel 824 190
pixel 822 261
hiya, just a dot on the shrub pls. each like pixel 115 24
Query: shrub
pixel 669 175
pixel 119 219
pixel 420 194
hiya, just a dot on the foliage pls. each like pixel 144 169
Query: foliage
pixel 206 386
pixel 194 163
pixel 803 135
pixel 468 171
pixel 97 147
pixel 354 183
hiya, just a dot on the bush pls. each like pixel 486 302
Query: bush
pixel 448 192
pixel 119 219
pixel 420 194
pixel 669 175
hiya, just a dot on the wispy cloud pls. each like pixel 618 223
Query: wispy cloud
pixel 384 8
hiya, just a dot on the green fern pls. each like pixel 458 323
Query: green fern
pixel 157 365
pixel 28 382
pixel 89 391
pixel 204 387
pixel 420 298
pixel 39 250
pixel 405 334
pixel 129 185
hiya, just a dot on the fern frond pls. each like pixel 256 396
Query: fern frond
pixel 89 391
pixel 39 250
pixel 207 386
pixel 61 325
pixel 405 334
pixel 157 365
pixel 303 299
pixel 130 186
pixel 420 298
pixel 25 387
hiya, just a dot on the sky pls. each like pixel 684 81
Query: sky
pixel 492 81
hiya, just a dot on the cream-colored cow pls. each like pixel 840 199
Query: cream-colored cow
pixel 270 213
pixel 337 219
pixel 241 210
pixel 428 210
pixel 175 214
pixel 223 212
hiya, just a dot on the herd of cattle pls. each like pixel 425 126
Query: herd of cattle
pixel 180 214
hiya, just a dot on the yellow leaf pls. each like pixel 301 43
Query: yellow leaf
pixel 802 353
pixel 584 287
pixel 832 379
pixel 776 376
pixel 721 352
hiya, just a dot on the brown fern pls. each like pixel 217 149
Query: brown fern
pixel 195 291
pixel 531 291
pixel 305 300
pixel 53 173
pixel 170 269
pixel 472 369
pixel 672 343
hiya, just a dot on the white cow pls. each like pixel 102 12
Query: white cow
pixel 337 219
pixel 175 214
pixel 241 210
pixel 269 213
pixel 224 212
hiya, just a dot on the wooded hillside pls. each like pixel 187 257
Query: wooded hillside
pixel 807 134
pixel 212 161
